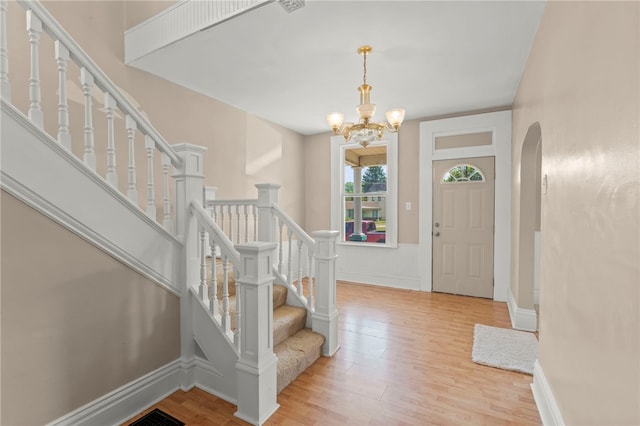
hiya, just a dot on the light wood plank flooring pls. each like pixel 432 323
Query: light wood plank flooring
pixel 405 359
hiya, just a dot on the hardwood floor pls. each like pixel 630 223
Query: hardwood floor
pixel 405 359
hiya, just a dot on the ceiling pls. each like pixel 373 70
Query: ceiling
pixel 429 57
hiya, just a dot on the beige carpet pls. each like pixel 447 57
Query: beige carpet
pixel 504 348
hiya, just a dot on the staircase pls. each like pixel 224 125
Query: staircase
pixel 295 345
pixel 260 315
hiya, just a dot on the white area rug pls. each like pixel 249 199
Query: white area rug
pixel 504 348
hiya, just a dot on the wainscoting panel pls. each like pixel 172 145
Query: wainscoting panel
pixel 383 266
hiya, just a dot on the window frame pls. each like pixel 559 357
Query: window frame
pixel 338 148
pixel 476 169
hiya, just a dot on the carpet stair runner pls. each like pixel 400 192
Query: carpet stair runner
pixel 296 346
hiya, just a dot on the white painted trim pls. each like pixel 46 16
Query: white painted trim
pixel 500 124
pixel 381 280
pixel 79 199
pixel 206 377
pixel 125 402
pixel 184 18
pixel 536 268
pixel 337 177
pixel 57 32
pixel 521 319
pixel 129 400
pixel 547 406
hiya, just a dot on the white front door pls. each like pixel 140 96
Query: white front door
pixel 463 226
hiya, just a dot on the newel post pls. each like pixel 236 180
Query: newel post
pixel 257 366
pixel 189 181
pixel 325 317
pixel 267 197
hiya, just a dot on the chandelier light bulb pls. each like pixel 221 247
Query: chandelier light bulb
pixel 335 120
pixel 395 117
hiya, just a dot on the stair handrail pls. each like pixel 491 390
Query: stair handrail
pixel 57 32
pixel 207 290
pixel 291 224
pixel 305 296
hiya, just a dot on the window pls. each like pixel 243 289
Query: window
pixel 463 173
pixel 364 205
pixel 365 194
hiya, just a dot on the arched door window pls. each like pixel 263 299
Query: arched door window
pixel 463 173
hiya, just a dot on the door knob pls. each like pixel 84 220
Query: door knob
pixel 436 234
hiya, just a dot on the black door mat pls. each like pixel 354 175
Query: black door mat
pixel 157 417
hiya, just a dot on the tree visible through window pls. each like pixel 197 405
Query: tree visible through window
pixel 374 179
pixel 463 173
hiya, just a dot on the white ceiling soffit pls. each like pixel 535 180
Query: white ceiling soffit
pixel 429 57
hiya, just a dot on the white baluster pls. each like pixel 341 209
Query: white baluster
pixel 110 106
pixel 213 290
pixel 246 223
pixel 222 218
pixel 5 86
pixel 62 58
pixel 166 209
pixel 34 28
pixel 226 319
pixel 150 145
pixel 230 212
pixel 310 301
pixel 237 333
pixel 132 190
pixel 300 289
pixel 203 266
pixel 289 263
pixel 238 223
pixel 255 222
pixel 280 255
pixel 89 156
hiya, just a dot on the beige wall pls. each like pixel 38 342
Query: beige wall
pixel 581 84
pixel 242 149
pixel 76 324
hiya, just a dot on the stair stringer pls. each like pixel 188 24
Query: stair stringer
pixel 37 170
pixel 216 347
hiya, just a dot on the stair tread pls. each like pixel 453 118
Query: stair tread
pixel 287 321
pixel 297 353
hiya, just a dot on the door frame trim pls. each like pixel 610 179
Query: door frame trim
pixel 500 124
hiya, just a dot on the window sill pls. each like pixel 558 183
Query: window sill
pixel 375 245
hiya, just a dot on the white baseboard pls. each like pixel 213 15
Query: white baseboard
pixel 125 402
pixel 380 280
pixel 521 319
pixel 546 403
pixel 131 399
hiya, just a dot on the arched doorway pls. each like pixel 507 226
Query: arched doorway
pixel 529 220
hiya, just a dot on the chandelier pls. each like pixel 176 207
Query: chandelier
pixel 365 131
